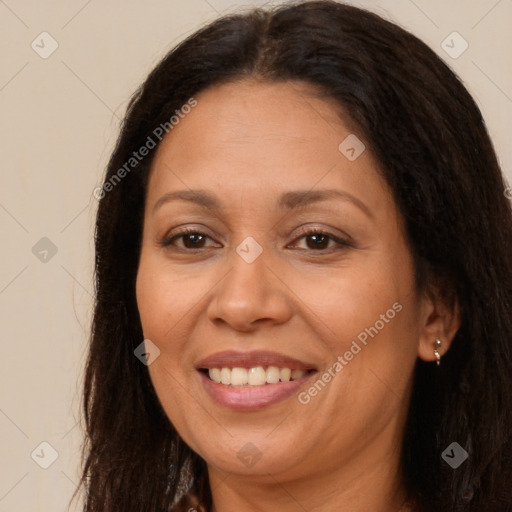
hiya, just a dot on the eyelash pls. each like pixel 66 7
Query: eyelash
pixel 342 244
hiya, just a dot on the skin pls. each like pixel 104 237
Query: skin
pixel 248 142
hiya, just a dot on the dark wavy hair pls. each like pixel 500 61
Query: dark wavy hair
pixel 434 151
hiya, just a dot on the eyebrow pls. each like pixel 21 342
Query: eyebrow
pixel 293 200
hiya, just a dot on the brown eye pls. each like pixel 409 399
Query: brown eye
pixel 319 241
pixel 192 239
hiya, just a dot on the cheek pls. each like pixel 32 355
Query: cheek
pixel 371 317
pixel 164 299
pixel 348 300
pixel 369 314
pixel 164 303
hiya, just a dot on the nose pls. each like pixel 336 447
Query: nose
pixel 251 295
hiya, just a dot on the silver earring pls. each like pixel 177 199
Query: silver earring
pixel 437 345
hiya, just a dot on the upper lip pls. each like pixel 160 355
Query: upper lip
pixel 232 359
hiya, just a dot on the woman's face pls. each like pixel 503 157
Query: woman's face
pixel 248 288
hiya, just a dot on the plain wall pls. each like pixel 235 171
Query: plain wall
pixel 59 120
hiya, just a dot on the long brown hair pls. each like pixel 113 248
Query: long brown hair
pixel 435 153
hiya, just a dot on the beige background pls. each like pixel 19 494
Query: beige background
pixel 59 119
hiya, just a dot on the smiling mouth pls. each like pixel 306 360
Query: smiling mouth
pixel 237 377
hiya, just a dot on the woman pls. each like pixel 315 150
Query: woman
pixel 303 280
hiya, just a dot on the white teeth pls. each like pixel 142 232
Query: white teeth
pixel 238 376
pixel 272 374
pixel 256 376
pixel 285 374
pixel 214 374
pixel 297 374
pixel 225 376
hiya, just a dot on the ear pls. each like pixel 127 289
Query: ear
pixel 441 319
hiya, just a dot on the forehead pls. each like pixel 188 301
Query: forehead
pixel 253 137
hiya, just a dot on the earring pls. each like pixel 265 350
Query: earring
pixel 437 345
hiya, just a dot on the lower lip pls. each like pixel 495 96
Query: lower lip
pixel 252 397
